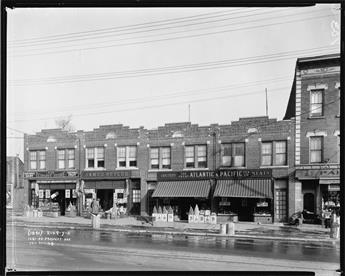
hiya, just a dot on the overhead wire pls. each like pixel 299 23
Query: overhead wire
pixel 171 69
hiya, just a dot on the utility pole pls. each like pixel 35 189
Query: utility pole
pixel 266 102
pixel 188 112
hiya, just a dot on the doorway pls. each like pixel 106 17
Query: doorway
pixel 60 198
pixel 106 197
pixel 309 202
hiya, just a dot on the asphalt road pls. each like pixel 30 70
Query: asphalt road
pixel 46 249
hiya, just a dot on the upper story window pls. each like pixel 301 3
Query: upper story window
pixel 316 149
pixel 37 160
pixel 274 153
pixel 316 102
pixel 127 157
pixel 233 155
pixel 65 158
pixel 61 159
pixel 160 158
pixel 196 156
pixel 95 157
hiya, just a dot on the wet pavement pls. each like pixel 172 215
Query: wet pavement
pixel 104 250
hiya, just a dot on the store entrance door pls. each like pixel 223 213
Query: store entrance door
pixel 60 198
pixel 106 198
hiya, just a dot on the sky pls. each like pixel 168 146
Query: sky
pixel 152 66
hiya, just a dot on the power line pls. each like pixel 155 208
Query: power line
pixel 171 38
pixel 185 93
pixel 170 69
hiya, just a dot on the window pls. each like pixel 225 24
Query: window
pixel 316 103
pixel 266 154
pixel 316 149
pixel 189 155
pixel 136 196
pixel 274 153
pixel 233 155
pixel 127 157
pixel 280 155
pixel 33 160
pixel 71 158
pixel 37 160
pixel 61 159
pixel 196 156
pixel 160 158
pixel 95 157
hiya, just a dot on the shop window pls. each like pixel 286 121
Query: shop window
pixel 316 149
pixel 136 196
pixel 233 155
pixel 280 153
pixel 127 157
pixel 71 158
pixel 266 154
pixel 196 156
pixel 95 158
pixel 160 158
pixel 61 159
pixel 316 103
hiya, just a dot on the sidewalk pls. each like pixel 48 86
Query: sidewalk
pixel 277 231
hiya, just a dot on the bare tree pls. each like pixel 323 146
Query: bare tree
pixel 65 123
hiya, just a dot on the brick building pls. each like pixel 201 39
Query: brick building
pixel 15 183
pixel 314 107
pixel 243 167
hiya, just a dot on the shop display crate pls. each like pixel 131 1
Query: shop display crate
pixel 260 218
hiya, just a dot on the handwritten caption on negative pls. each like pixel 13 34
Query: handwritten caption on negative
pixel 47 237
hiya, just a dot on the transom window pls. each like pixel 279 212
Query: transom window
pixel 233 155
pixel 274 153
pixel 316 102
pixel 160 158
pixel 136 196
pixel 95 157
pixel 37 160
pixel 196 156
pixel 127 157
pixel 316 152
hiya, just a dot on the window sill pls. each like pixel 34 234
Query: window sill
pixel 159 170
pixel 230 168
pixel 196 169
pixel 94 169
pixel 126 168
pixel 316 117
pixel 275 166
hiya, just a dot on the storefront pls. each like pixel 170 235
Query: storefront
pixel 244 195
pixel 320 188
pixel 49 188
pixel 111 188
pixel 181 190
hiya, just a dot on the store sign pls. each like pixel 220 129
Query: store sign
pixel 47 193
pixel 316 174
pixel 106 174
pixel 67 193
pixel 219 174
pixel 50 174
pixel 41 194
pixel 74 193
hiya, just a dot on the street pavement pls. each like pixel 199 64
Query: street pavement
pixel 33 247
pixel 313 233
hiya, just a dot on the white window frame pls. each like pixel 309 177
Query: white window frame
pixel 160 158
pixel 61 161
pixel 321 150
pixel 313 112
pixel 232 154
pixel 33 160
pixel 128 159
pixel 95 158
pixel 196 156
pixel 71 159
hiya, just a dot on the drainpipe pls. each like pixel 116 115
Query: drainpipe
pixel 213 181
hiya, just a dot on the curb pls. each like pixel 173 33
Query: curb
pixel 236 236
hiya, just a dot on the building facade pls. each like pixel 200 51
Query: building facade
pixel 15 183
pixel 314 107
pixel 242 168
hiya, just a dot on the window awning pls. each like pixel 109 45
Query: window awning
pixel 253 188
pixel 199 188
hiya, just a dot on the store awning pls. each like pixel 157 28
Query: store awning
pixel 199 188
pixel 253 188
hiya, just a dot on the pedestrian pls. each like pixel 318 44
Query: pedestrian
pixel 95 206
pixel 327 217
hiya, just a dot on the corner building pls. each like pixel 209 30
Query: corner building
pixel 241 169
pixel 314 108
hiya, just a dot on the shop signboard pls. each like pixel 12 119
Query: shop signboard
pixel 41 194
pixel 106 174
pixel 218 174
pixel 47 193
pixel 67 193
pixel 74 193
pixel 51 174
pixel 317 173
